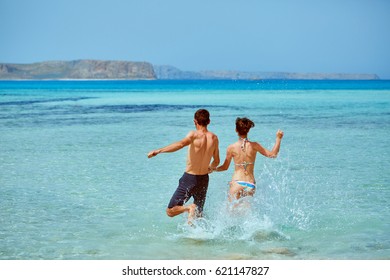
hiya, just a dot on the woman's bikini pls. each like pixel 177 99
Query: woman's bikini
pixel 248 186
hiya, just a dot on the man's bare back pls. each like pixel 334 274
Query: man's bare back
pixel 204 145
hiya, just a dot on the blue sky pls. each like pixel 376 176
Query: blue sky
pixel 330 36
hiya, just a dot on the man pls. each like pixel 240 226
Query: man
pixel 203 146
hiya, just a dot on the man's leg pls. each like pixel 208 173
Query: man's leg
pixel 199 193
pixel 177 210
pixel 182 194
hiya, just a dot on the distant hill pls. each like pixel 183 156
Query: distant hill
pixel 166 72
pixel 78 69
pixel 128 70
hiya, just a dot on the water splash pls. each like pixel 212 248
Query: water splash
pixel 279 206
pixel 233 222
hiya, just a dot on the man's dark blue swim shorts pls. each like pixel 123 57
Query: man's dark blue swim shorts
pixel 191 186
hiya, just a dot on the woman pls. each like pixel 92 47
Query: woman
pixel 244 152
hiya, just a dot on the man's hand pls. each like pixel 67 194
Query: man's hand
pixel 211 169
pixel 153 153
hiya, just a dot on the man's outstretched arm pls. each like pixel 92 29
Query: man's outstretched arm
pixel 173 147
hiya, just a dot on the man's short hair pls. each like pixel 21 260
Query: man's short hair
pixel 202 117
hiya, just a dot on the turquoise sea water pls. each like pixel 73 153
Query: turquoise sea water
pixel 75 181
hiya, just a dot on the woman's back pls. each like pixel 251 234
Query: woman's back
pixel 244 157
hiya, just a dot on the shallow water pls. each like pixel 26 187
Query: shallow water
pixel 75 181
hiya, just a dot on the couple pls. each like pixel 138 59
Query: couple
pixel 203 146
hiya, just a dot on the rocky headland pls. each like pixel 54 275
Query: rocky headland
pixel 78 70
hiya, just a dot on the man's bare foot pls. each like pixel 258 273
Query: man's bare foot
pixel 191 213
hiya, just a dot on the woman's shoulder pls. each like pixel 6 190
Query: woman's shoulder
pixel 234 145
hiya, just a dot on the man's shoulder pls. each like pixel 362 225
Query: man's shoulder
pixel 213 135
pixel 191 133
